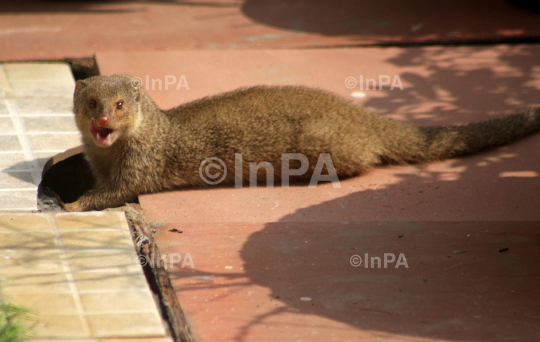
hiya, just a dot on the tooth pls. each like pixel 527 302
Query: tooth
pixel 97 136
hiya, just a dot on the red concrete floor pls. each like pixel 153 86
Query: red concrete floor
pixel 44 30
pixel 275 264
pixel 294 281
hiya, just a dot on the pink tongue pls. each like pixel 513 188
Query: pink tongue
pixel 94 128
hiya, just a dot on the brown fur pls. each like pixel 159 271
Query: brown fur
pixel 156 150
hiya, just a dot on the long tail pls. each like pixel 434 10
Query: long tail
pixel 436 143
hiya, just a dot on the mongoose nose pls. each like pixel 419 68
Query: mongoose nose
pixel 103 121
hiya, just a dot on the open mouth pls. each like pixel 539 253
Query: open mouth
pixel 103 135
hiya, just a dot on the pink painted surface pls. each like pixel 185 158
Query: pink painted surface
pixel 257 252
pixel 42 30
pixel 294 281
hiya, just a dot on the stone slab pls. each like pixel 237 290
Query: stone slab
pixel 79 275
pixel 36 123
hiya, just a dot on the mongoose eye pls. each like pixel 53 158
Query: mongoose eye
pixel 93 104
pixel 120 105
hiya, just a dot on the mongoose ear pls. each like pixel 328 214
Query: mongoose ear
pixel 79 86
pixel 136 92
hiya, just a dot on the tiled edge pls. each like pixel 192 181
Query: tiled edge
pixel 79 273
pixel 35 108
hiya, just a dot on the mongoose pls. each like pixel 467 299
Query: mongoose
pixel 135 148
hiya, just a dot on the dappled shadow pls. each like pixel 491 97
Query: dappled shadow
pixel 463 84
pixel 38 254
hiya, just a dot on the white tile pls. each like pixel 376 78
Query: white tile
pixel 50 124
pixel 41 89
pixel 10 223
pixel 54 141
pixel 92 221
pixel 61 327
pixel 118 302
pixel 3 108
pixel 4 85
pixel 29 261
pixel 103 261
pixel 36 241
pixel 44 276
pixel 6 126
pixel 9 143
pixel 16 180
pixel 113 239
pixel 18 200
pixel 11 161
pixel 43 157
pixel 28 282
pixel 38 72
pixel 88 282
pixel 45 106
pixel 46 304
pixel 127 325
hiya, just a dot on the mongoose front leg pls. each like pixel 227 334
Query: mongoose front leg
pixel 105 196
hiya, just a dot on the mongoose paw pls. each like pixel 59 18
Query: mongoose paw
pixel 72 206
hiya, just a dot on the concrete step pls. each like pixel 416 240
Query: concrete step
pixel 37 123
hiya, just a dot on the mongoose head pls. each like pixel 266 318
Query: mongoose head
pixel 107 108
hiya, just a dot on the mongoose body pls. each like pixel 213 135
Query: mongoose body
pixel 135 148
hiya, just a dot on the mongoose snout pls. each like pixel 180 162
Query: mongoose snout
pixel 104 136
